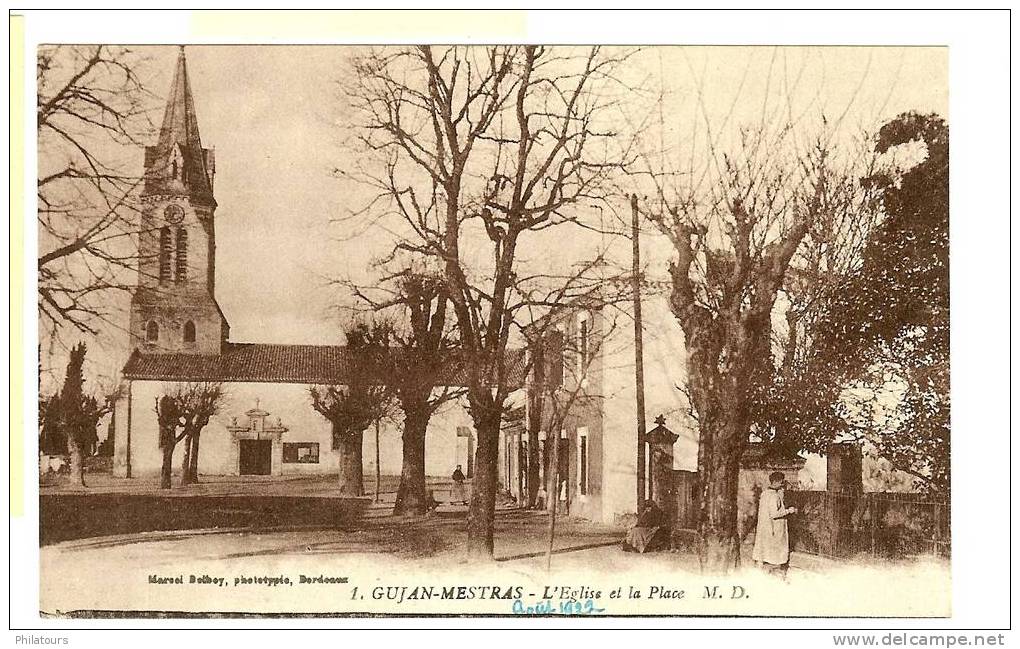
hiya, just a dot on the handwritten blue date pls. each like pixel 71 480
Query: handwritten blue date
pixel 563 607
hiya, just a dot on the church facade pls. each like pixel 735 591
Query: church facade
pixel 179 334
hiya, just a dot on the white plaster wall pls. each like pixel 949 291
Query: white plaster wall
pixel 619 433
pixel 291 403
pixel 664 369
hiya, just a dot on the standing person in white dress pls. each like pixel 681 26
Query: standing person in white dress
pixel 772 536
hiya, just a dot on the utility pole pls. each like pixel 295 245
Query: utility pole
pixel 639 364
pixel 378 469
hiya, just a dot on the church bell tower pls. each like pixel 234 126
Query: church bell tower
pixel 174 308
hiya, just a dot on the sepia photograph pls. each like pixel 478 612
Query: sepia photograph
pixel 491 330
pixel 354 318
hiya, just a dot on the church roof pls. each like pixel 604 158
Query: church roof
pixel 268 363
pixel 179 137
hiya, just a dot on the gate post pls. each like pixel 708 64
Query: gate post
pixel 660 444
pixel 844 484
pixel 843 469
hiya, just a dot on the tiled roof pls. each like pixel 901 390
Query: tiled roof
pixel 513 421
pixel 266 363
pixel 760 455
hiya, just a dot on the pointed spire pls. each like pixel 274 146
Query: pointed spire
pixel 178 165
pixel 180 124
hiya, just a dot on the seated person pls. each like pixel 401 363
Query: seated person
pixel 651 532
pixel 430 502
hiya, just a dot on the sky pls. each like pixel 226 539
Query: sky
pixel 276 121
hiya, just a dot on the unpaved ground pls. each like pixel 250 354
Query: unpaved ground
pixel 401 566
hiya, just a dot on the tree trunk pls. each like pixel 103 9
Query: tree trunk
pixel 351 468
pixel 535 417
pixel 724 436
pixel 193 465
pixel 534 468
pixel 553 479
pixel 719 529
pixel 77 462
pixel 167 469
pixel 553 502
pixel 186 462
pixel 411 494
pixel 359 450
pixel 482 512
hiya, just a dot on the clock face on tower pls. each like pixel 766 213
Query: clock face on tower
pixel 174 214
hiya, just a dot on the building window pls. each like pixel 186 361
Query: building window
pixel 300 453
pixel 165 248
pixel 555 356
pixel 152 331
pixel 524 465
pixel 182 254
pixel 582 460
pixel 189 332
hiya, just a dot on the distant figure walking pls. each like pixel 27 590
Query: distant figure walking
pixel 459 493
pixel 541 497
pixel 772 536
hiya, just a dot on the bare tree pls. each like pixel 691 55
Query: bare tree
pixel 736 226
pixel 199 403
pixel 355 404
pixel 91 108
pixel 565 381
pixel 479 147
pixel 182 412
pixel 422 367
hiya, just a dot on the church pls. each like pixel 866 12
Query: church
pixel 178 333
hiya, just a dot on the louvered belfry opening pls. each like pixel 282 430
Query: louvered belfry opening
pixel 165 249
pixel 182 255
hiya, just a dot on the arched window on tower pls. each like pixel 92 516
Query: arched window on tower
pixel 189 332
pixel 165 248
pixel 173 169
pixel 182 254
pixel 152 331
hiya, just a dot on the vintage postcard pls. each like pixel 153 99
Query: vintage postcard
pixel 494 330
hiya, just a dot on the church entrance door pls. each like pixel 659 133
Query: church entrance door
pixel 256 457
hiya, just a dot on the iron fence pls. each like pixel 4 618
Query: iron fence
pixel 885 525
